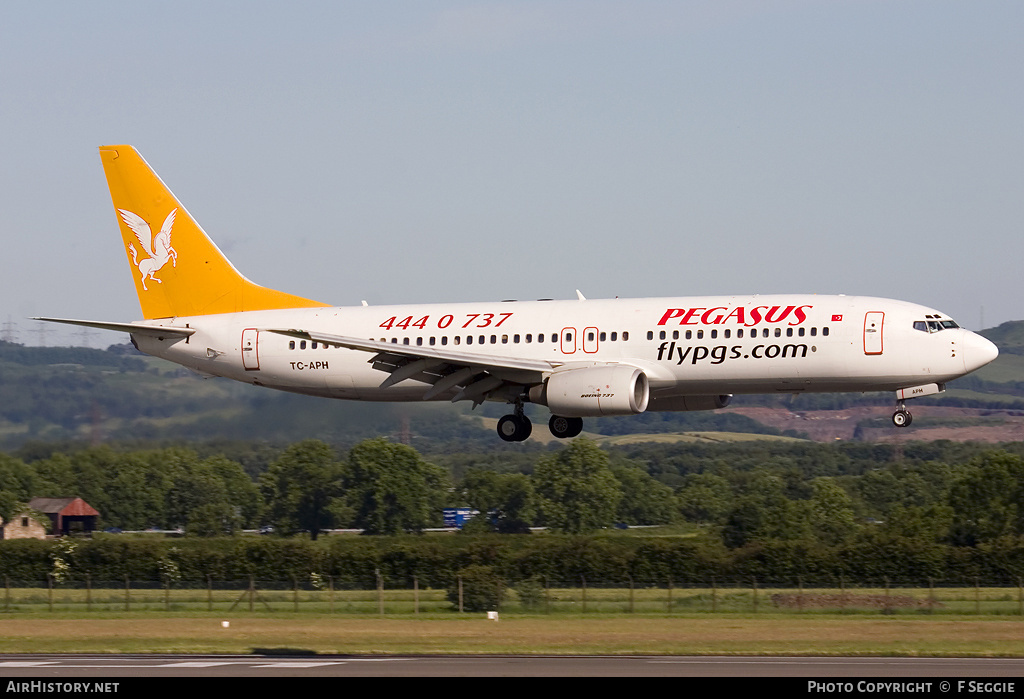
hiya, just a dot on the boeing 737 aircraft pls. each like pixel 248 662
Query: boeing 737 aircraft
pixel 580 358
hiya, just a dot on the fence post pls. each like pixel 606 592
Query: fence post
pixel 670 594
pixel 49 585
pixel 888 604
pixel 714 595
pixel 631 600
pixel 931 595
pixel 547 595
pixel 800 597
pixel 88 592
pixel 330 592
pixel 127 593
pixel 380 592
pixel 977 596
pixel 252 592
pixel 7 594
pixel 753 582
pixel 583 579
pixel 460 594
pixel 1020 597
pixel 415 595
pixel 295 593
pixel 209 593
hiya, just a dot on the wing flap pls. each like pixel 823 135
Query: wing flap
pixel 477 376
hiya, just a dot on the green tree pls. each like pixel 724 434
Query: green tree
pixel 505 501
pixel 705 498
pixel 644 500
pixel 831 512
pixel 576 489
pixel 390 488
pixel 987 499
pixel 300 487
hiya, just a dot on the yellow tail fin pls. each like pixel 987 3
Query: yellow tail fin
pixel 178 270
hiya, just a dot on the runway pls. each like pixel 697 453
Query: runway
pixel 49 668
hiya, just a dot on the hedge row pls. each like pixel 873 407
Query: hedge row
pixel 435 561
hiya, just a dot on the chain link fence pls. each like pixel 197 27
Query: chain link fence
pixel 326 595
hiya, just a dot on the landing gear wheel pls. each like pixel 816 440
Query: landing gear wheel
pixel 565 427
pixel 902 418
pixel 515 428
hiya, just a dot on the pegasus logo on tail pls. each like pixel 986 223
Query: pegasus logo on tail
pixel 158 247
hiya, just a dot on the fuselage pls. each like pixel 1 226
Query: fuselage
pixel 686 346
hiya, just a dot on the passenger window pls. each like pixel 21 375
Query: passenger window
pixel 714 334
pixel 700 334
pixel 650 334
pixel 302 344
pixel 291 344
pixel 615 336
pixel 824 331
pixel 689 334
pixel 625 336
pixel 814 332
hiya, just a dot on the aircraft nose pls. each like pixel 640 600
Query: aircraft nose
pixel 977 351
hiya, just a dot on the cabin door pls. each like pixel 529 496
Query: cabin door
pixel 250 351
pixel 873 332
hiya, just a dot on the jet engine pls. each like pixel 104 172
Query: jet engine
pixel 616 389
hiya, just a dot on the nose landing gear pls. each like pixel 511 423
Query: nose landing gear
pixel 902 416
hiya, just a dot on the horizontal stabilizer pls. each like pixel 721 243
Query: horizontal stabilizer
pixel 160 331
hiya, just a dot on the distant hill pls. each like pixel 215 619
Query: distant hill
pixel 1009 337
pixel 51 394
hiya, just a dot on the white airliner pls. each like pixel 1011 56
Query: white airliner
pixel 580 358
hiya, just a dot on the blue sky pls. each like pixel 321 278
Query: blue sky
pixel 457 151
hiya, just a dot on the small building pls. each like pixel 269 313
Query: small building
pixel 68 515
pixel 22 526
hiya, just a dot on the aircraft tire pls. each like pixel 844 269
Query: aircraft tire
pixel 565 427
pixel 514 428
pixel 902 418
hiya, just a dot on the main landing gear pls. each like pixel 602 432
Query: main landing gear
pixel 902 416
pixel 565 427
pixel 517 427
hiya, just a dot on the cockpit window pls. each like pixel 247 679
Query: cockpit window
pixel 934 326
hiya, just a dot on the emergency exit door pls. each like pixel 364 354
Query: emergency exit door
pixel 250 349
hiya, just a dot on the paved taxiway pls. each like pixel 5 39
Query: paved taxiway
pixel 50 667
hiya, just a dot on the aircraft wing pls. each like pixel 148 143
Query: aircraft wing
pixel 476 375
pixel 160 331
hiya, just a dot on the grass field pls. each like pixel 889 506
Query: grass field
pixel 908 622
pixel 535 600
pixel 558 635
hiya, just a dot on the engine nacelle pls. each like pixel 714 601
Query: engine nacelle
pixel 685 403
pixel 616 389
